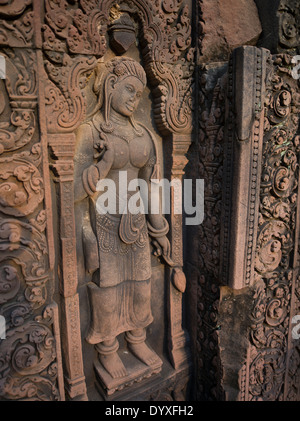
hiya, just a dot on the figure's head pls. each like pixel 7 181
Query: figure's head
pixel 119 84
pixel 126 95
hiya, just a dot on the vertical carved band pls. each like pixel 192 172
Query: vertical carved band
pixel 62 148
pixel 30 354
pixel 243 154
pixel 264 227
pixel 178 337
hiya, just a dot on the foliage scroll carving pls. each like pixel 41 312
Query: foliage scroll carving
pixel 30 361
pixel 72 46
pixel 275 263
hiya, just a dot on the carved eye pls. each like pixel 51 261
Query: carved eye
pixel 129 88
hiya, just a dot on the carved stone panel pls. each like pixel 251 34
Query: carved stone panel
pixel 63 59
pixel 30 349
pixel 106 305
pixel 262 234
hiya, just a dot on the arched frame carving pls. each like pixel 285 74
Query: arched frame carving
pixel 166 49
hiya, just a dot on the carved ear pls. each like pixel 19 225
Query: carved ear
pixel 110 82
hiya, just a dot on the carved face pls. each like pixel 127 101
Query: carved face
pixel 289 26
pixel 126 95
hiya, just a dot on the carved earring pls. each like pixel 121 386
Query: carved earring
pixel 136 129
pixel 107 126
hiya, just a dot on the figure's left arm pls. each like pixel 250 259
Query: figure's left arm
pixel 158 226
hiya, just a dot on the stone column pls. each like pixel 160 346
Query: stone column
pixel 177 337
pixel 63 146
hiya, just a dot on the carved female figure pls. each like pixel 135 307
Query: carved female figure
pixel 117 246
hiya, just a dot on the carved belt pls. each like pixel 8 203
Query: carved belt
pixel 130 227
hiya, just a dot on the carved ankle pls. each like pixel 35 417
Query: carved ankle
pixel 107 349
pixel 135 339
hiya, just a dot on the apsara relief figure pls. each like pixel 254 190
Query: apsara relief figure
pixel 117 246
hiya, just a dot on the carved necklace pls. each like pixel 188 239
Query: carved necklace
pixel 120 121
pixel 127 138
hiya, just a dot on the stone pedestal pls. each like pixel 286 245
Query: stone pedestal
pixel 136 373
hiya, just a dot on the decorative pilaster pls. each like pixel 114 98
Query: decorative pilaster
pixel 177 337
pixel 62 147
pixel 242 165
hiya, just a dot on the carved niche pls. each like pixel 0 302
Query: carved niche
pixel 52 50
pixel 211 156
pixel 78 39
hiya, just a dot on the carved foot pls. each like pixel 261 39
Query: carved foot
pixel 144 354
pixel 113 365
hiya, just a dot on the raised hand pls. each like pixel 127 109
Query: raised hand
pixel 104 149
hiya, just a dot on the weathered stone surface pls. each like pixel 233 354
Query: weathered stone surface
pixel 234 325
pixel 269 228
pixel 228 24
pixel 281 25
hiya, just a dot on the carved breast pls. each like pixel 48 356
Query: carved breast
pixel 134 152
pixel 121 156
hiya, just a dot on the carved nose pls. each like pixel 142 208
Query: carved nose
pixel 132 102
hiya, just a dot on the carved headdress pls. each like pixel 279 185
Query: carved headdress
pixel 118 68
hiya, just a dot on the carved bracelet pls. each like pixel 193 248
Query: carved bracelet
pixel 157 233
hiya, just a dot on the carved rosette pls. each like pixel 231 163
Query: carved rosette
pixel 289 26
pixel 21 188
pixel 30 367
pixel 19 97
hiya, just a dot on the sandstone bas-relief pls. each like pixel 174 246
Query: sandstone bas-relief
pixel 54 47
pixel 167 57
pixel 117 248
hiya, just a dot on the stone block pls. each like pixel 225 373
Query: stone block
pixel 227 24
